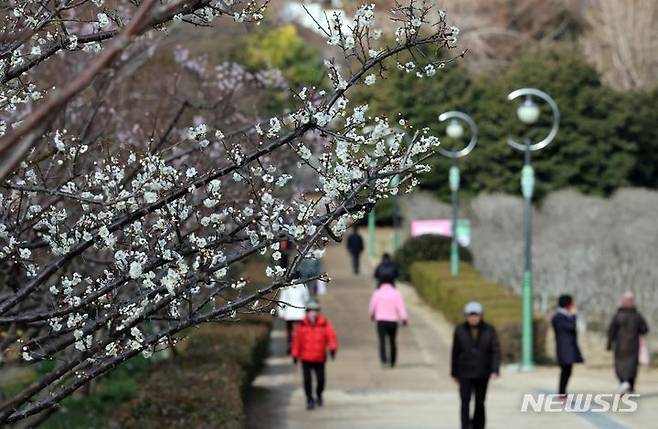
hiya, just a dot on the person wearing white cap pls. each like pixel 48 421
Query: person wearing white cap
pixel 475 359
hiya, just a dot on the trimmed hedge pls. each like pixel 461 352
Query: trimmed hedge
pixel 426 248
pixel 204 386
pixel 502 307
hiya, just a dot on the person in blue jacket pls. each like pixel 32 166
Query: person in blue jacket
pixel 566 340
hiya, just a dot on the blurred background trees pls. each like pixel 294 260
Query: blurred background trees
pixel 606 137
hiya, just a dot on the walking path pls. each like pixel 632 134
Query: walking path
pixel 418 393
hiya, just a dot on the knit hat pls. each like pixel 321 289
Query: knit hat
pixel 473 307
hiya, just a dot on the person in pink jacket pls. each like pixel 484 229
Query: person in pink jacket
pixel 387 309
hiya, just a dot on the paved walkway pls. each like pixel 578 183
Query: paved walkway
pixel 418 393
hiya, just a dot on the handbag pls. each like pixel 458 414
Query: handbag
pixel 643 355
pixel 322 287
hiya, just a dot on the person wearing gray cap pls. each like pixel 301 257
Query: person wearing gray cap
pixel 475 359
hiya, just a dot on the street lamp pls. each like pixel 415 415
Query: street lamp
pixel 455 130
pixel 396 217
pixel 396 207
pixel 528 112
pixel 371 233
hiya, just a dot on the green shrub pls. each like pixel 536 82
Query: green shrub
pixel 502 307
pixel 284 48
pixel 426 248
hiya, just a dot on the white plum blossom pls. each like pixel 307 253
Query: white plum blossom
pixel 150 197
pixel 372 53
pixel 275 128
pixel 430 70
pixel 135 270
pixel 103 20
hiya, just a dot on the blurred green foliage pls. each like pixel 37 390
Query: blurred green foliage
pixel 285 49
pixel 279 47
pixel 607 139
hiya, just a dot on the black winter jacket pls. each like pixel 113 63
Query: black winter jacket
pixel 355 244
pixel 386 272
pixel 475 358
pixel 566 339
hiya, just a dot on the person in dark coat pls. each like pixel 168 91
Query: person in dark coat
pixel 387 271
pixel 310 267
pixel 624 333
pixel 355 247
pixel 475 360
pixel 285 248
pixel 566 339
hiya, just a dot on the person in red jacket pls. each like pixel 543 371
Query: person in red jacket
pixel 313 336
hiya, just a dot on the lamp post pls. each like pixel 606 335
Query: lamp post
pixel 455 130
pixel 395 244
pixel 371 233
pixel 396 217
pixel 528 113
pixel 396 206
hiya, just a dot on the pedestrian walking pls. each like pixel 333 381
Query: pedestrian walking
pixel 387 270
pixel 566 340
pixel 387 309
pixel 355 247
pixel 310 267
pixel 292 309
pixel 285 247
pixel 626 332
pixel 313 337
pixel 475 360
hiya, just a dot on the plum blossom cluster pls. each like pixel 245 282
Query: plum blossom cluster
pixel 34 32
pixel 121 239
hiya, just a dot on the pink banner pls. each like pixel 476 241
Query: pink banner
pixel 431 226
pixel 442 227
